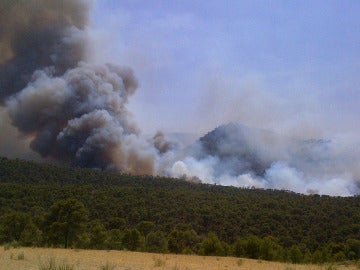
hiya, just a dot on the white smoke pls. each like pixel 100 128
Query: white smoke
pixel 279 176
pixel 75 112
pixel 239 156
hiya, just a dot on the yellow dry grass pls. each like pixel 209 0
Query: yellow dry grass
pixel 123 260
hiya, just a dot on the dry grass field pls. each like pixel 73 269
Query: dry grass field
pixel 41 259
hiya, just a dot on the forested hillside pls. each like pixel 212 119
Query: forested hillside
pixel 49 205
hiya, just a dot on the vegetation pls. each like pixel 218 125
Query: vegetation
pixel 108 266
pixel 75 259
pixel 51 264
pixel 65 222
pixel 49 205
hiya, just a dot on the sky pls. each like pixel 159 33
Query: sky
pixel 289 66
pixel 93 90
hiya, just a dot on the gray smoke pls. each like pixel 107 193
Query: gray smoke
pixel 39 34
pixel 237 155
pixel 74 112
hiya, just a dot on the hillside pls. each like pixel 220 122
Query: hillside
pixel 119 204
pixel 243 156
pixel 234 145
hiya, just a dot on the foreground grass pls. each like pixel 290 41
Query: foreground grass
pixel 61 259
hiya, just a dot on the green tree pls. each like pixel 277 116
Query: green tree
pixel 132 239
pixel 12 226
pixel 97 234
pixel 31 235
pixel 270 249
pixel 156 242
pixel 317 257
pixel 114 239
pixel 336 252
pixel 179 240
pixel 145 227
pixel 239 247
pixel 307 257
pixel 252 247
pixel 212 246
pixel 353 249
pixel 65 222
pixel 175 241
pixel 295 254
pixel 116 223
pixel 191 240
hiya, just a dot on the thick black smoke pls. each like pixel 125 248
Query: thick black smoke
pixel 75 112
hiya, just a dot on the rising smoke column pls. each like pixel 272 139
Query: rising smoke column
pixel 74 111
pixel 39 34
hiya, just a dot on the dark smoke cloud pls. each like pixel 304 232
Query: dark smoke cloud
pixel 38 34
pixel 74 112
pixel 77 117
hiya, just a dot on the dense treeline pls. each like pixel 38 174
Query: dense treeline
pixel 49 205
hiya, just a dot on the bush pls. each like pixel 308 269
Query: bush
pixel 270 250
pixel 180 239
pixel 65 266
pixel 156 242
pixel 212 246
pixel 252 247
pixel 107 266
pixel 132 239
pixel 239 247
pixel 51 264
pixel 353 246
pixel 21 256
pixel 114 239
pixel 159 262
pixel 97 235
pixel 295 254
pixel 12 244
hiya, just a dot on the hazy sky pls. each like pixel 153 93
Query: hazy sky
pixel 291 66
pixel 287 66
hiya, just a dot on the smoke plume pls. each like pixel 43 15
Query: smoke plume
pixel 72 111
pixel 237 155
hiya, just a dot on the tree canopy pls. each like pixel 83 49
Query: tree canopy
pixel 42 205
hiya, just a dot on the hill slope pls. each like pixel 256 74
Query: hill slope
pixel 311 221
pixel 238 155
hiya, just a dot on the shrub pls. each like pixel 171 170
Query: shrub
pixel 51 264
pixel 108 266
pixel 156 242
pixel 132 239
pixel 159 262
pixel 21 256
pixel 212 246
pixel 295 254
pixel 12 244
pixel 65 266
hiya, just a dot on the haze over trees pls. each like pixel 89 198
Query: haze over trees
pixel 48 205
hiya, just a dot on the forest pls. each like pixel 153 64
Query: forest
pixel 59 206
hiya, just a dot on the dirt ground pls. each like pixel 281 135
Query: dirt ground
pixel 34 258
